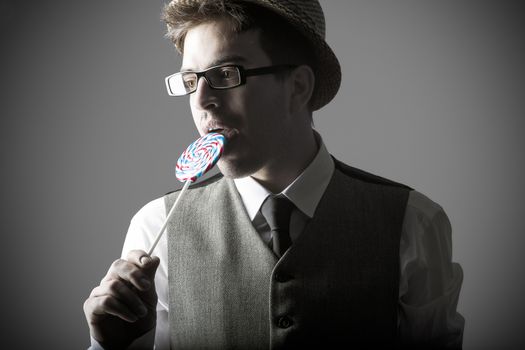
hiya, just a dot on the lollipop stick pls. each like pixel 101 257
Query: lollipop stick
pixel 198 158
pixel 168 217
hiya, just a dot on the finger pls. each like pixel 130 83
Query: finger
pixel 104 305
pixel 129 272
pixel 147 263
pixel 150 265
pixel 124 294
pixel 137 257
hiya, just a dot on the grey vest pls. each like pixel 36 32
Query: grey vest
pixel 337 284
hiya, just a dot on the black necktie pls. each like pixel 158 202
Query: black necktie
pixel 277 210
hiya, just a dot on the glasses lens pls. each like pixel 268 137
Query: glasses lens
pixel 224 77
pixel 181 84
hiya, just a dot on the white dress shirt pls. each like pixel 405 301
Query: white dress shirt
pixel 429 282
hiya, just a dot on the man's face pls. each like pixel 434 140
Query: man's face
pixel 254 115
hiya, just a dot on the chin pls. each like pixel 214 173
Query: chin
pixel 234 169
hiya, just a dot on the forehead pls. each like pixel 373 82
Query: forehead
pixel 213 43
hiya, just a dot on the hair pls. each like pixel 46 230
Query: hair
pixel 279 39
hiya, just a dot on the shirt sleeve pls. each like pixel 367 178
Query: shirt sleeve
pixel 430 282
pixel 142 231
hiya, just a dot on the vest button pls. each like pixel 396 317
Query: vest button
pixel 282 277
pixel 284 322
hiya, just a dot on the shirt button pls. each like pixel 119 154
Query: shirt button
pixel 282 277
pixel 284 322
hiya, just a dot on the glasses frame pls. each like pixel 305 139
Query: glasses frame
pixel 243 74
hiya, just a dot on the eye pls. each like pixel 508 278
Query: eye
pixel 190 82
pixel 227 73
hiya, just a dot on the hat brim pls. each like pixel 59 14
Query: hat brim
pixel 327 76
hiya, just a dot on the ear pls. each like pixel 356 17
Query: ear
pixel 302 82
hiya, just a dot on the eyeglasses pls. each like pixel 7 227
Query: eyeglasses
pixel 219 78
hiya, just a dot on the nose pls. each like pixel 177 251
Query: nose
pixel 204 97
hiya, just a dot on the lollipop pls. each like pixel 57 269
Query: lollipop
pixel 198 158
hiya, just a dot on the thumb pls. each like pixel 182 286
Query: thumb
pixel 150 265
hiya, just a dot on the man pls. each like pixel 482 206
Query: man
pixel 288 248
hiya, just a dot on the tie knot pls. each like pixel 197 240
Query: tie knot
pixel 277 210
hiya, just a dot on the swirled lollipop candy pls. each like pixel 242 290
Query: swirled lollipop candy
pixel 200 157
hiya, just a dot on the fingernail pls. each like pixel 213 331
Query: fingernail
pixel 145 259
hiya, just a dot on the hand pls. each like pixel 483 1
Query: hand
pixel 123 306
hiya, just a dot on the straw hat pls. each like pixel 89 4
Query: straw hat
pixel 308 18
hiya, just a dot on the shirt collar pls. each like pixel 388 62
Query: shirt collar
pixel 305 191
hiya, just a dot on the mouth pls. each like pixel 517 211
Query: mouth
pixel 210 130
pixel 229 133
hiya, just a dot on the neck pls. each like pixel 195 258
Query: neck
pixel 287 166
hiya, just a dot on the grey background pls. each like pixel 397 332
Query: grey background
pixel 432 96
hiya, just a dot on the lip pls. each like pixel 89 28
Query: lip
pixel 228 132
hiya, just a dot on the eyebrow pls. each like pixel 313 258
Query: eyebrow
pixel 222 60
